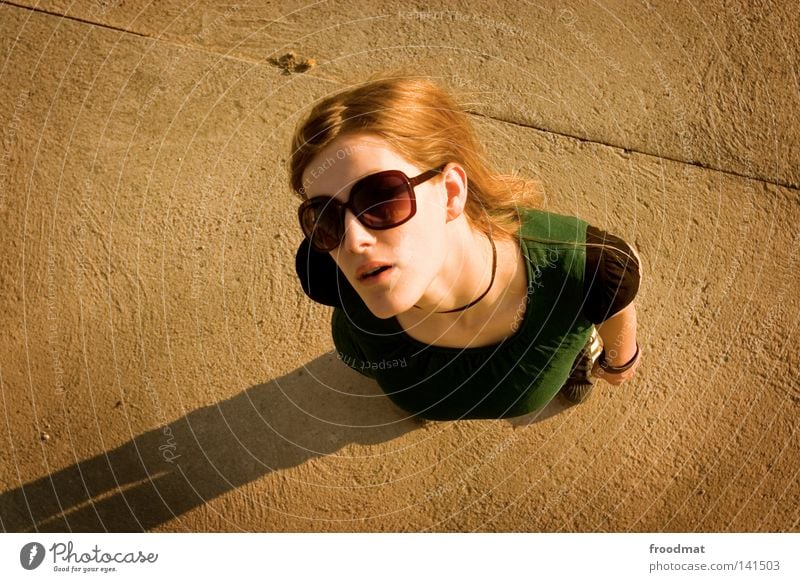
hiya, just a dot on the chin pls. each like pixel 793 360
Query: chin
pixel 386 309
pixel 383 311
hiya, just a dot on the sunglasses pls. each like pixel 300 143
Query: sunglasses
pixel 379 201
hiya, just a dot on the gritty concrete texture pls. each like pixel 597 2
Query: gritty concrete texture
pixel 160 368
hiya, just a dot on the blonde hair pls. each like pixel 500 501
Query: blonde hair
pixel 424 124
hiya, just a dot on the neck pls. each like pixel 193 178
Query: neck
pixel 466 276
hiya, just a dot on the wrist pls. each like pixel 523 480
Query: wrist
pixel 610 369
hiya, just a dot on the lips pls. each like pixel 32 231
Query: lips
pixel 372 269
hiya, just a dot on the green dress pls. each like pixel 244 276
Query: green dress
pixel 519 375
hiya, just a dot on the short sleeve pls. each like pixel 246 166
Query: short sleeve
pixel 347 349
pixel 612 275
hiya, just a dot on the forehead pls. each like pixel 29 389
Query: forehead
pixel 348 158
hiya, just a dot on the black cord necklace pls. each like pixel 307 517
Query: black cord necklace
pixel 471 303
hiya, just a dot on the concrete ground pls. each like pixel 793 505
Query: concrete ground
pixel 160 368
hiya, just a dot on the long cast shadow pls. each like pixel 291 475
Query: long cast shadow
pixel 166 472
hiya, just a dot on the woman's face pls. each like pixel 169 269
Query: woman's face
pixel 414 251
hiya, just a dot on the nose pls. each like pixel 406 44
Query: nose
pixel 356 236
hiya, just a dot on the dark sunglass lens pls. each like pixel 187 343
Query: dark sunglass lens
pixel 320 223
pixel 383 200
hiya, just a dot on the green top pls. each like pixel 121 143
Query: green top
pixel 520 374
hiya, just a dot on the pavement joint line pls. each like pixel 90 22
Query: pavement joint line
pixel 780 183
pixel 73 18
pixel 159 39
pixel 166 41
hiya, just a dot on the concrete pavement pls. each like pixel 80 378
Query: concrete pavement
pixel 160 368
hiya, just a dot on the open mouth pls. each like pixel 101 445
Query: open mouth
pixel 374 272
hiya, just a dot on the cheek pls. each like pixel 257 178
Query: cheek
pixel 345 267
pixel 423 249
pixel 419 243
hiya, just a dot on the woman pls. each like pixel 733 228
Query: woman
pixel 450 287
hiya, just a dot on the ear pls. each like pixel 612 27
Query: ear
pixel 455 182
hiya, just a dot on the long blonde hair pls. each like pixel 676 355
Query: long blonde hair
pixel 426 126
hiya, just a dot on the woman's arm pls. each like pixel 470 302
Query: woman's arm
pixel 619 343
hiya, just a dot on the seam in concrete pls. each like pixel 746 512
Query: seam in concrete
pixel 695 163
pixel 627 150
pixel 165 41
pixel 74 18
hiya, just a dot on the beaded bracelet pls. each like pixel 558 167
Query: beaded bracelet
pixel 618 369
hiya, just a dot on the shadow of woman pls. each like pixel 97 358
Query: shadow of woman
pixel 165 472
